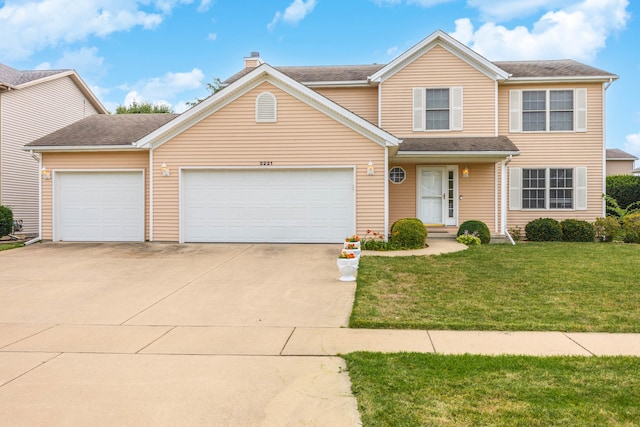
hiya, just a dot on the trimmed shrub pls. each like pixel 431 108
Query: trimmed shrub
pixel 408 233
pixel 624 188
pixel 607 228
pixel 469 239
pixel 543 230
pixel 474 225
pixel 574 230
pixel 631 228
pixel 6 221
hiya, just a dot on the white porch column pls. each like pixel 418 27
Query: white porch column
pixel 503 196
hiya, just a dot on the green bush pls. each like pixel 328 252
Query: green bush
pixel 408 233
pixel 631 228
pixel 469 239
pixel 624 188
pixel 474 225
pixel 543 230
pixel 6 221
pixel 574 230
pixel 607 228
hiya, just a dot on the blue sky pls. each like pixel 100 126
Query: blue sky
pixel 166 50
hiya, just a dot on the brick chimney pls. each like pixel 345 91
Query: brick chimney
pixel 253 60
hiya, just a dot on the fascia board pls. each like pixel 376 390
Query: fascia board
pixel 440 38
pixel 457 153
pixel 332 109
pixel 576 79
pixel 84 148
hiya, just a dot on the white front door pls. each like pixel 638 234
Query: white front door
pixel 437 190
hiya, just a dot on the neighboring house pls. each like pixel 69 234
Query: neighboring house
pixel 620 162
pixel 34 104
pixel 313 154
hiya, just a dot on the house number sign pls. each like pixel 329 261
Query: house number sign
pixel 265 163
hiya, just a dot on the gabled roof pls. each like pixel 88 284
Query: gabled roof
pixel 12 79
pixel 440 38
pixel 616 154
pixel 258 75
pixel 102 131
pixel 553 69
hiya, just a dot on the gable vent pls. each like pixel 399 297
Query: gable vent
pixel 266 108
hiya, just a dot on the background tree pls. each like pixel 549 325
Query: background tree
pixel 213 87
pixel 144 108
pixel 625 189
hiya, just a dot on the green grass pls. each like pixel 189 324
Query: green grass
pixel 7 246
pixel 435 390
pixel 533 286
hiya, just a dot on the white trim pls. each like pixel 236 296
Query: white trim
pixel 495 197
pixel 403 171
pixel 496 119
pixel 151 206
pixel 386 193
pixel 578 79
pixel 458 153
pixel 261 74
pixel 55 172
pixel 503 196
pixel 83 148
pixel 442 39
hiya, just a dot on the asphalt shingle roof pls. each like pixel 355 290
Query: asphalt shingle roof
pixel 458 144
pixel 104 130
pixel 553 68
pixel 12 77
pixel 616 154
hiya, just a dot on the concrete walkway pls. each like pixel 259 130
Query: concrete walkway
pixel 205 335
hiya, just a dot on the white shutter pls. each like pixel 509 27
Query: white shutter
pixel 581 110
pixel 515 189
pixel 456 108
pixel 581 188
pixel 419 109
pixel 515 111
pixel 266 107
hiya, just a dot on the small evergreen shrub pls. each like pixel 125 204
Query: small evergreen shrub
pixel 607 228
pixel 6 221
pixel 543 230
pixel 469 239
pixel 631 228
pixel 574 230
pixel 408 233
pixel 476 226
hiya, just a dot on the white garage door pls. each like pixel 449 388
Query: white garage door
pixel 275 205
pixel 99 206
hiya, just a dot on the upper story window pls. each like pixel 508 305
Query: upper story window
pixel 548 110
pixel 266 108
pixel 437 109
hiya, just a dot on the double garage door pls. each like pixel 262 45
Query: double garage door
pixel 266 205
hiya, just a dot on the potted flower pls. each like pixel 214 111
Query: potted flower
pixel 348 266
pixel 352 243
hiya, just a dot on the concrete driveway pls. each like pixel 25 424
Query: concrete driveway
pixel 165 334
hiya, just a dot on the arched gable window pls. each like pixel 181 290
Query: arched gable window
pixel 266 108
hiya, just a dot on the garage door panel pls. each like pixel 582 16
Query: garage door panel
pixel 267 206
pixel 99 206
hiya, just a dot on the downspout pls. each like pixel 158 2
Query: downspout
pixel 151 195
pixel 605 86
pixel 386 192
pixel 39 238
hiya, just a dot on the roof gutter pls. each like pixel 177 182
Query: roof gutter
pixel 459 153
pixel 88 148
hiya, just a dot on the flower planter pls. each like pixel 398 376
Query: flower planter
pixel 348 268
pixel 352 248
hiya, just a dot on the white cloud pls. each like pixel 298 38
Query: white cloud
pixel 504 10
pixel 633 144
pixel 576 32
pixel 85 61
pixel 294 13
pixel 427 3
pixel 212 36
pixel 392 51
pixel 27 26
pixel 157 90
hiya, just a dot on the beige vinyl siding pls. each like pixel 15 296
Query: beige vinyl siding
pixel 438 68
pixel 98 161
pixel 477 191
pixel 301 137
pixel 620 167
pixel 362 101
pixel 560 149
pixel 28 114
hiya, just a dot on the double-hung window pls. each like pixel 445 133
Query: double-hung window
pixel 549 110
pixel 548 188
pixel 437 109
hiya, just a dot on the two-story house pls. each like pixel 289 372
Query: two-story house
pixel 33 104
pixel 313 154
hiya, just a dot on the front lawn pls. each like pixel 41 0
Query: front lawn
pixel 435 390
pixel 531 286
pixel 7 246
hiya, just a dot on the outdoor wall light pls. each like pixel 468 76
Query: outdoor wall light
pixel 465 172
pixel 165 169
pixel 46 173
pixel 370 170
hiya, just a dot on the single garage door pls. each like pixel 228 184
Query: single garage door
pixel 267 205
pixel 99 206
